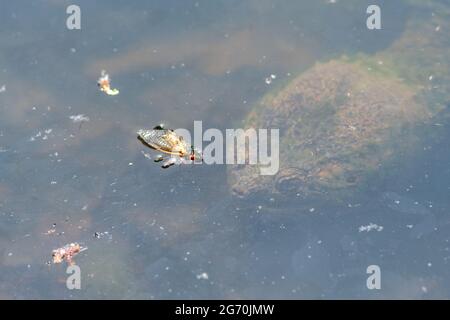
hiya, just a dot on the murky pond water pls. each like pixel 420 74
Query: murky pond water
pixel 180 233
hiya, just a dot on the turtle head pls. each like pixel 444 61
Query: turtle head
pixel 246 182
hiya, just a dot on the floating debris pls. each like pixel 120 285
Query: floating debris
pixel 103 235
pixel 203 276
pixel 42 135
pixel 168 142
pixel 404 204
pixel 104 84
pixel 79 118
pixel 2 88
pixel 51 231
pixel 370 227
pixel 270 78
pixel 67 253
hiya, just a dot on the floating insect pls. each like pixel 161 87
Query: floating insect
pixel 168 142
pixel 67 253
pixel 104 84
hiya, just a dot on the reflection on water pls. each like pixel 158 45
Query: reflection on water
pixel 178 233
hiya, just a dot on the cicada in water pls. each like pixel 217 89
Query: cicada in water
pixel 170 143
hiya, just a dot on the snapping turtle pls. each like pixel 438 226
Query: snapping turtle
pixel 345 122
